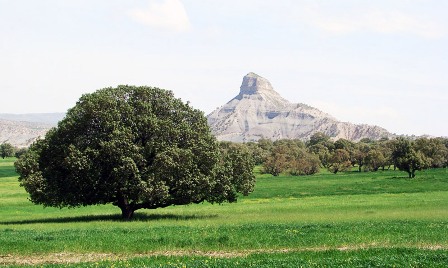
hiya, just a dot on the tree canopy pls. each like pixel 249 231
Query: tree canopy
pixel 407 158
pixel 134 147
pixel 6 150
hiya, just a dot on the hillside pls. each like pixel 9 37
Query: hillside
pixel 21 134
pixel 258 111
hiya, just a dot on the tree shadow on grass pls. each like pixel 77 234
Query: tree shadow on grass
pixel 399 178
pixel 138 217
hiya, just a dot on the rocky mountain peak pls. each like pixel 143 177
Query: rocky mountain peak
pixel 259 111
pixel 257 87
pixel 253 84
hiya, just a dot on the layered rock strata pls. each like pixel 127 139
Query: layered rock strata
pixel 258 111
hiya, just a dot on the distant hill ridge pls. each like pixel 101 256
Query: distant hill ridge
pixel 23 129
pixel 44 118
pixel 258 111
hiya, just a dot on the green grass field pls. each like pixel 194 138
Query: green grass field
pixel 380 219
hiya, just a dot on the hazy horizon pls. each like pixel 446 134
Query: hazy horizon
pixel 372 62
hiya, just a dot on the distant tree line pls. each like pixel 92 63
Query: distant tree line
pixel 8 150
pixel 296 157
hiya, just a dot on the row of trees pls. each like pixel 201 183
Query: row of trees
pixel 298 158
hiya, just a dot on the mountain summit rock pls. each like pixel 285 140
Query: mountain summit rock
pixel 258 111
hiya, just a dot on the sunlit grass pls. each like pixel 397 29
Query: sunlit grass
pixel 310 216
pixel 332 258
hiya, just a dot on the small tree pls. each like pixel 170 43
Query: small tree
pixel 375 159
pixel 359 154
pixel 304 164
pixel 339 161
pixel 385 147
pixel 278 161
pixel 322 152
pixel 406 158
pixel 6 150
pixel 235 169
pixel 133 147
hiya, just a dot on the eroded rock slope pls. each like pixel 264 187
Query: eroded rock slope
pixel 258 111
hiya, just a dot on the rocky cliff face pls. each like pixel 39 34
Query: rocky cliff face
pixel 260 112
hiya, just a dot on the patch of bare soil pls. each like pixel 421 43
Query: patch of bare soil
pixel 66 258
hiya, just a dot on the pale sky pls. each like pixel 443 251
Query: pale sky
pixel 382 62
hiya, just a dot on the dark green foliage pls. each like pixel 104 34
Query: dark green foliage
pixel 322 152
pixel 358 154
pixel 434 150
pixel 385 147
pixel 6 150
pixel 277 161
pixel 134 147
pixel 407 158
pixel 234 174
pixel 290 156
pixel 304 164
pixel 321 145
pixel 321 138
pixel 375 159
pixel 257 153
pixel 339 161
pixel 20 152
pixel 344 144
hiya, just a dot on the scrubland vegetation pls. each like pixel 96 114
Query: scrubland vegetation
pixel 347 219
pixel 305 158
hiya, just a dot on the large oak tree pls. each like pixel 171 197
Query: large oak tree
pixel 134 147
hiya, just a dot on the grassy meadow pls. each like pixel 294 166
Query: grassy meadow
pixel 352 219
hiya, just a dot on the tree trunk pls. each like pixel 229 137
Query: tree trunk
pixel 127 212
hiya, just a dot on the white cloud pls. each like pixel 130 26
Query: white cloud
pixel 372 20
pixel 163 14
